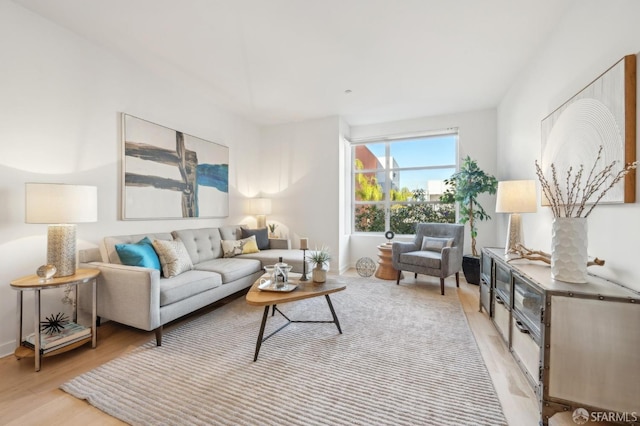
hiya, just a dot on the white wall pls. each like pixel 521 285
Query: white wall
pixel 593 35
pixel 60 122
pixel 477 138
pixel 301 174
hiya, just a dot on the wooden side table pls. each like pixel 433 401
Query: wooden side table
pixel 35 283
pixel 385 270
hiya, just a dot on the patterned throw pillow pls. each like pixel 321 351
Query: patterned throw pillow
pixel 174 257
pixel 231 248
pixel 435 244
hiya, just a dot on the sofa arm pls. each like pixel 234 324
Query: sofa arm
pixel 397 249
pixel 280 243
pixel 127 294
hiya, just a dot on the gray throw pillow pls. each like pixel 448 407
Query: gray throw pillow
pixel 262 237
pixel 435 244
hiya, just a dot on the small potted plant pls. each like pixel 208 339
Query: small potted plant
pixel 272 230
pixel 464 188
pixel 320 259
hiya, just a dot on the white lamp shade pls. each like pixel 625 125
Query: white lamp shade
pixel 516 196
pixel 260 206
pixel 59 203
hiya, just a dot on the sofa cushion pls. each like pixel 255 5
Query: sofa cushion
pixel 232 232
pixel 232 248
pixel 262 237
pixel 187 284
pixel 174 257
pixel 426 259
pixel 202 244
pixel 230 269
pixel 139 254
pixel 436 244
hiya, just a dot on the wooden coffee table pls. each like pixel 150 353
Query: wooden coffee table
pixel 305 290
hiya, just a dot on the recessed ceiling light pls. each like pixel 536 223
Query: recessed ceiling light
pixel 346 92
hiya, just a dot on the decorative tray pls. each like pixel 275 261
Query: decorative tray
pixel 269 286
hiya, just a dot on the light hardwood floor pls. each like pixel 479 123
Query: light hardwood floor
pixel 30 398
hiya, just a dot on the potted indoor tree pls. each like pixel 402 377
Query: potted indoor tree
pixel 464 187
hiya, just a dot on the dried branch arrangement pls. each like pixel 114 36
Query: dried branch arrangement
pixel 573 202
pixel 541 256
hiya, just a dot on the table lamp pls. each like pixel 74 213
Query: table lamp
pixel 515 197
pixel 61 206
pixel 260 207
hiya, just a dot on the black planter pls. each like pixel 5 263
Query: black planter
pixel 471 268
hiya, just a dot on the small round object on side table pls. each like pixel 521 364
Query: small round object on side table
pixel 365 266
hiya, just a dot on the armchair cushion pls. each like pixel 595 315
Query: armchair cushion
pixel 436 244
pixel 424 258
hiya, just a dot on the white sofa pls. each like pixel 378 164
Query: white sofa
pixel 143 298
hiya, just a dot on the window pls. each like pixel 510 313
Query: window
pixel 398 182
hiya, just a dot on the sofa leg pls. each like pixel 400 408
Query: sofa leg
pixel 415 276
pixel 97 321
pixel 398 279
pixel 442 286
pixel 158 336
pixel 457 279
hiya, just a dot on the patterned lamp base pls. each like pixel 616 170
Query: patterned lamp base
pixel 61 249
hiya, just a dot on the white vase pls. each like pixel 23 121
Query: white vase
pixel 319 274
pixel 569 249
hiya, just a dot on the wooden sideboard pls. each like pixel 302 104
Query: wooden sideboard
pixel 577 344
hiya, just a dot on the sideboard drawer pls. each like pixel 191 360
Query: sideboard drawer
pixel 501 318
pixel 526 349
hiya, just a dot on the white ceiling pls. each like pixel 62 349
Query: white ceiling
pixel 276 61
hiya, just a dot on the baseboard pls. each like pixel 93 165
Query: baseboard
pixel 7 348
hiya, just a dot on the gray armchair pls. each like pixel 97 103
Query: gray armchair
pixel 436 250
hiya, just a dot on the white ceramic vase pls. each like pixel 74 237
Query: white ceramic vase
pixel 319 274
pixel 569 249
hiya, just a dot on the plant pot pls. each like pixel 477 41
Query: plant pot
pixel 319 274
pixel 471 268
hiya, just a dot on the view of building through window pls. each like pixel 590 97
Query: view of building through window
pixel 398 183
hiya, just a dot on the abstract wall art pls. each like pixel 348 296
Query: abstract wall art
pixel 168 174
pixel 603 114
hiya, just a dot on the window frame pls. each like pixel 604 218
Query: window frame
pixel 386 203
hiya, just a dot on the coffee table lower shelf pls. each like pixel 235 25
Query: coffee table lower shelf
pixel 25 352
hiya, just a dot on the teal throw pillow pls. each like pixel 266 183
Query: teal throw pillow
pixel 139 254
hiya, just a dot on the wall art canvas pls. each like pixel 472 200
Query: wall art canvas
pixel 602 114
pixel 168 174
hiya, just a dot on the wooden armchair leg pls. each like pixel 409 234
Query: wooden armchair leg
pixel 398 279
pixel 158 336
pixel 442 286
pixel 457 279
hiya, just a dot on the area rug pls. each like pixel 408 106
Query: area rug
pixel 407 357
